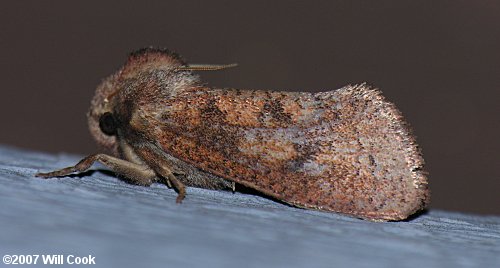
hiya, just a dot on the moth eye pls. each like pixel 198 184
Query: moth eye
pixel 107 123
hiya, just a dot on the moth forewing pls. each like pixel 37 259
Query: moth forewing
pixel 327 151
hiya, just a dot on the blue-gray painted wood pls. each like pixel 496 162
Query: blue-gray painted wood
pixel 123 225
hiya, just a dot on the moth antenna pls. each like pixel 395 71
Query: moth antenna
pixel 206 67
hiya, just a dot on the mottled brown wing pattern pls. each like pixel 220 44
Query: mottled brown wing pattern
pixel 347 151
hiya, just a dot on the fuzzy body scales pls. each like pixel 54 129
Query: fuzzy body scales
pixel 348 151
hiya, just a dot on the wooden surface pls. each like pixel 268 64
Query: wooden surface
pixel 132 226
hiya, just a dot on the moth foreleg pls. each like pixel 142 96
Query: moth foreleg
pixel 134 173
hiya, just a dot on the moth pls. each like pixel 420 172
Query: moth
pixel 348 151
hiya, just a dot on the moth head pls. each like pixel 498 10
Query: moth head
pixel 102 115
pixel 101 119
pixel 163 69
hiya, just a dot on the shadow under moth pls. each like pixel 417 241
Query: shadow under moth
pixel 348 151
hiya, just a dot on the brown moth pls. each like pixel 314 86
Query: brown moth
pixel 348 151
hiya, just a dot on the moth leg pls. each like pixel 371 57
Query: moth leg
pixel 169 184
pixel 156 160
pixel 175 172
pixel 181 188
pixel 134 173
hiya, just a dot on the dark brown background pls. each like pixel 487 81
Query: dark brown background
pixel 437 60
